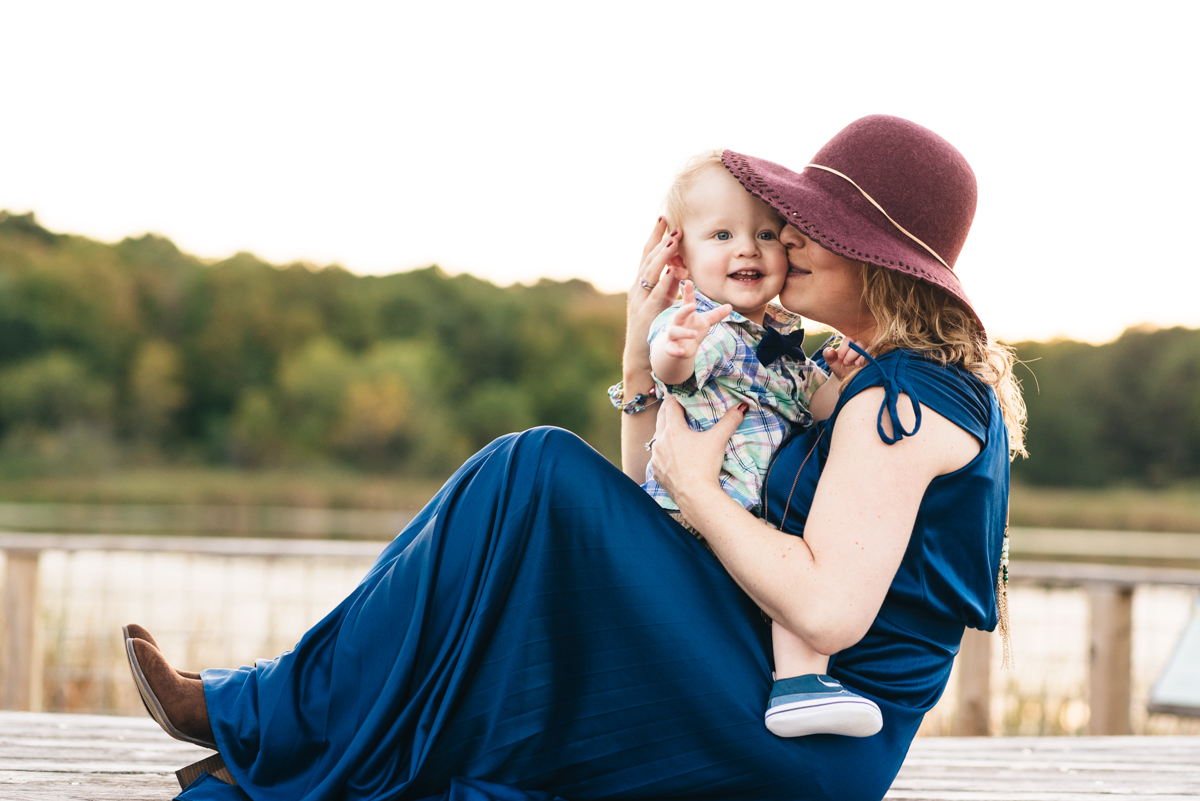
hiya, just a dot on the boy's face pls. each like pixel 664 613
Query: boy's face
pixel 730 246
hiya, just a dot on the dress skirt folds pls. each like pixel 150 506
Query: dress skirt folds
pixel 541 630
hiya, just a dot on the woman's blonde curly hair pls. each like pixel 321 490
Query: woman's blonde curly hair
pixel 921 317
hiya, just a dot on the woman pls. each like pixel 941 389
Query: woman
pixel 544 629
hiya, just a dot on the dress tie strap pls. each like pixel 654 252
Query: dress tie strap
pixel 893 388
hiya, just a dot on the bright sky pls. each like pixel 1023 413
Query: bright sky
pixel 521 140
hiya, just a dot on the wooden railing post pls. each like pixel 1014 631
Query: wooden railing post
pixel 1110 665
pixel 974 668
pixel 20 613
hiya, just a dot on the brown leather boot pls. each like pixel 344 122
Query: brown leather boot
pixel 133 631
pixel 177 704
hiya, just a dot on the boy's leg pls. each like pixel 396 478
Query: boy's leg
pixel 793 656
pixel 804 700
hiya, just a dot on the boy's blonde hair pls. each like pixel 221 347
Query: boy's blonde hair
pixel 675 203
pixel 919 316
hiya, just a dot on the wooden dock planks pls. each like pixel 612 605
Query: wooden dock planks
pixel 96 758
pixel 88 757
pixel 1050 769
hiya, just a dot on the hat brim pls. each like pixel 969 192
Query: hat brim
pixel 835 215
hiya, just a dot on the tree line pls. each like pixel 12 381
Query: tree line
pixel 1127 412
pixel 135 352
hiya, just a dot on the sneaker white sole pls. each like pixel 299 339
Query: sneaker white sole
pixel 850 717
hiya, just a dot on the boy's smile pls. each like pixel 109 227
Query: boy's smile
pixel 730 246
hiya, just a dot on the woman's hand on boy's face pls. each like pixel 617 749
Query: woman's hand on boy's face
pixel 656 286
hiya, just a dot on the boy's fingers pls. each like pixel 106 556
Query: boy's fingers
pixel 677 332
pixel 684 312
pixel 717 315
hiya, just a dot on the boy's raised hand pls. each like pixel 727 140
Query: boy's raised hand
pixel 673 355
pixel 684 333
pixel 841 360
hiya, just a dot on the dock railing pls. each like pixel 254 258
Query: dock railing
pixel 1109 590
pixel 23 552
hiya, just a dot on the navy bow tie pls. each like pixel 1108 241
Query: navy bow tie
pixel 775 344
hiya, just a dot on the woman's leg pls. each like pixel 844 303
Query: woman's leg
pixel 543 624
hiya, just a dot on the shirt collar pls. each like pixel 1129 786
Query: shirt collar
pixel 779 318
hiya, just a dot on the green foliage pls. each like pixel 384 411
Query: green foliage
pixel 243 363
pixel 139 352
pixel 1121 413
pixel 154 389
pixel 50 392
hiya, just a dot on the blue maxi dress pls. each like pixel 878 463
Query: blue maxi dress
pixel 543 630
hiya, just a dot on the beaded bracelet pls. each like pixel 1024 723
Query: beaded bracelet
pixel 640 402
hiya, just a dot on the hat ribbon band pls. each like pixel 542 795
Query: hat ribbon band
pixel 899 227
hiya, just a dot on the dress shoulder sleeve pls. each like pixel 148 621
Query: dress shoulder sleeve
pixel 908 377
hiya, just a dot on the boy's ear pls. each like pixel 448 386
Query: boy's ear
pixel 680 268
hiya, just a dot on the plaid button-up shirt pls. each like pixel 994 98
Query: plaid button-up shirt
pixel 728 372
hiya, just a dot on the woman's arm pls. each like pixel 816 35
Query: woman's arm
pixel 644 305
pixel 828 586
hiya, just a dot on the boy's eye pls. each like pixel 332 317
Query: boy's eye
pixel 767 235
pixel 723 235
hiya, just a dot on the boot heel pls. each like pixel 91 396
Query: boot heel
pixel 214 766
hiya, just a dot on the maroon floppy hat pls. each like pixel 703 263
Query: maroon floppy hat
pixel 884 191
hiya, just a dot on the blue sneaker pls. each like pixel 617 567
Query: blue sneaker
pixel 818 704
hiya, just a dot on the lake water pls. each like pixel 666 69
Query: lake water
pixel 210 611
